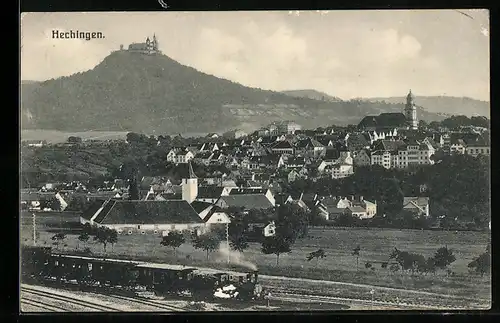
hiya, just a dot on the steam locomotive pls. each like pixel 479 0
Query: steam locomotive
pixel 41 264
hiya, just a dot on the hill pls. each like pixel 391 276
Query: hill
pixel 145 93
pixel 312 94
pixel 446 104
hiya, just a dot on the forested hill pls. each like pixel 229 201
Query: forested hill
pixel 312 94
pixel 146 93
pixel 446 104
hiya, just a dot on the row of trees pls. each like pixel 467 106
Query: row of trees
pixel 290 221
pixel 102 235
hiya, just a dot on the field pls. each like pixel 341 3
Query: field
pixel 339 264
pixel 54 136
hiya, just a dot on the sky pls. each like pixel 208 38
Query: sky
pixel 348 54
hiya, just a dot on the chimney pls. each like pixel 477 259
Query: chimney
pixel 361 198
pixel 352 197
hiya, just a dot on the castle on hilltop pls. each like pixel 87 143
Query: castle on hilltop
pixel 149 47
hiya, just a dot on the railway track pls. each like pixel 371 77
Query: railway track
pixel 330 299
pixel 42 305
pixel 69 300
pixel 152 303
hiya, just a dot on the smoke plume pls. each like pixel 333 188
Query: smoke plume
pixel 235 257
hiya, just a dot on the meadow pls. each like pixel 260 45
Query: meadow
pixel 55 136
pixel 338 243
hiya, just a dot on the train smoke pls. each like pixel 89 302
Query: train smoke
pixel 235 257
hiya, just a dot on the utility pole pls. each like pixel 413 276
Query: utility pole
pixel 34 229
pixel 227 242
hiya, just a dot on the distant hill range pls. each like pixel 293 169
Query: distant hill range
pixel 446 104
pixel 312 94
pixel 144 93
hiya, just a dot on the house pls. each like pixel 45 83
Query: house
pixel 261 178
pixel 235 134
pixel 310 147
pixel 248 202
pixel 295 162
pixel 418 205
pixel 143 217
pixel 183 157
pixel 210 213
pixel 361 158
pixel 282 199
pixel 247 191
pixel 292 176
pixel 217 158
pixel 283 147
pixel 341 170
pixel 270 229
pixel 477 147
pixel 210 194
pixel 381 158
pixel 356 211
pixel 358 207
pixel 271 161
pixel 209 146
pixel 203 157
pixel 216 216
pixel 171 156
pixel 212 135
pixel 357 141
pixel 288 127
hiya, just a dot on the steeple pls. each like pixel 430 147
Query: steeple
pixel 410 111
pixel 191 172
pixel 190 186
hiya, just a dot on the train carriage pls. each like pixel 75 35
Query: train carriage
pixel 34 261
pixel 163 278
pixel 112 273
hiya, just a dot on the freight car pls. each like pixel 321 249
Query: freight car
pixel 162 279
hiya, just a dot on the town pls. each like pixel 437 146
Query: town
pixel 278 164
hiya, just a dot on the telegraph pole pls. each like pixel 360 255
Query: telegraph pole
pixel 34 229
pixel 227 242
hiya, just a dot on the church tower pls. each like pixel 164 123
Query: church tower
pixel 411 112
pixel 190 186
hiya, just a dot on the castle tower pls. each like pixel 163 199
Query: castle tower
pixel 155 43
pixel 190 186
pixel 411 112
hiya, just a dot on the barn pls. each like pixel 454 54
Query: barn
pixel 129 217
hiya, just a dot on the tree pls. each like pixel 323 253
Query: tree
pixel 57 238
pixel 443 258
pixel 83 237
pixel 355 252
pixel 104 236
pixel 481 264
pixel 291 222
pixel 208 242
pixel 112 237
pixel 133 190
pixel 276 245
pixel 318 254
pixel 238 234
pixel 173 239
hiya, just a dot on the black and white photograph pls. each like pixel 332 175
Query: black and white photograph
pixel 255 161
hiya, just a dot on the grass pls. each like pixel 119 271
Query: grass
pixel 339 265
